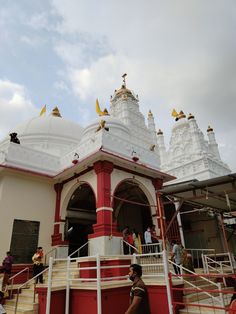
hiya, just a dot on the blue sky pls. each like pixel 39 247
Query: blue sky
pixel 178 53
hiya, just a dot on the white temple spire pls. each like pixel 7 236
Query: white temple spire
pixel 213 146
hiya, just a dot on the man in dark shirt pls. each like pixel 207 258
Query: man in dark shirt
pixel 139 303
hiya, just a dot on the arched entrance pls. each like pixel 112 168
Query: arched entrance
pixel 131 207
pixel 80 217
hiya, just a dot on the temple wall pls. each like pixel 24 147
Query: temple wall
pixel 25 198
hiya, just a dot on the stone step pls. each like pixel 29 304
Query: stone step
pixel 201 310
pixel 199 307
pixel 200 296
pixel 203 287
pixel 21 310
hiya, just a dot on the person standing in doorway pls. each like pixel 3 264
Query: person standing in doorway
pixel 176 256
pixel 125 234
pixel 38 264
pixel 155 241
pixel 139 303
pixel 148 240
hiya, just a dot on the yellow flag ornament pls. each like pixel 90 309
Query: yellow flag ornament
pixel 43 111
pixel 99 111
pixel 174 113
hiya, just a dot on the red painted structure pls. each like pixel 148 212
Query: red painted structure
pixel 104 226
pixel 23 277
pixel 114 300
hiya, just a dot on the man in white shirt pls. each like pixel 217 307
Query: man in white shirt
pixel 176 256
pixel 148 236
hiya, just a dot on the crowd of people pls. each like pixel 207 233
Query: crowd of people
pixel 133 241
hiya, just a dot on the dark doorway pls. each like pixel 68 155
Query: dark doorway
pixel 131 207
pixel 81 215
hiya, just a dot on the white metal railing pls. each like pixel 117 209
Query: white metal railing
pixel 150 260
pixel 143 248
pixel 218 290
pixel 218 263
pixel 131 249
pixel 197 255
pixel 78 250
pixel 11 279
pixel 52 252
pixel 151 248
pixel 25 285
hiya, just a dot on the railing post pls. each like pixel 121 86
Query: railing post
pixel 134 258
pixel 49 285
pixel 221 294
pixel 203 264
pixel 168 288
pixel 67 285
pixel 17 298
pixel 207 268
pixel 231 262
pixel 99 294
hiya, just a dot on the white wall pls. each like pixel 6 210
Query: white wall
pixel 26 198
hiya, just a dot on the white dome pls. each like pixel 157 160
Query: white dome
pixel 51 133
pixel 115 126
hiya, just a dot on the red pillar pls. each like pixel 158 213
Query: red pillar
pixel 104 225
pixel 57 236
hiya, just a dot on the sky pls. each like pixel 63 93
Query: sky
pixel 177 54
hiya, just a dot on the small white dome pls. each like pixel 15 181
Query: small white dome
pixel 52 134
pixel 182 123
pixel 115 126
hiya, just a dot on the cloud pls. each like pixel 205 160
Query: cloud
pixel 15 105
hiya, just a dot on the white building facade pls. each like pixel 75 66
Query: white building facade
pixel 94 180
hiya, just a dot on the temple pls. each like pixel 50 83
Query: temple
pixel 72 190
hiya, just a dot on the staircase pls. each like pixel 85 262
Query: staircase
pixel 195 301
pixel 26 304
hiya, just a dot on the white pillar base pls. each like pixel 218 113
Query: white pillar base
pixel 105 245
pixel 62 251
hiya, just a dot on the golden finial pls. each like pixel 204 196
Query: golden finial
pixel 174 113
pixel 150 115
pixel 56 112
pixel 99 111
pixel 190 116
pixel 177 115
pixel 124 81
pixel 209 129
pixel 181 115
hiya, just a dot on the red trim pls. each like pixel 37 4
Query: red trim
pixel 162 174
pixel 57 236
pixel 130 161
pixel 27 171
pixel 157 183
